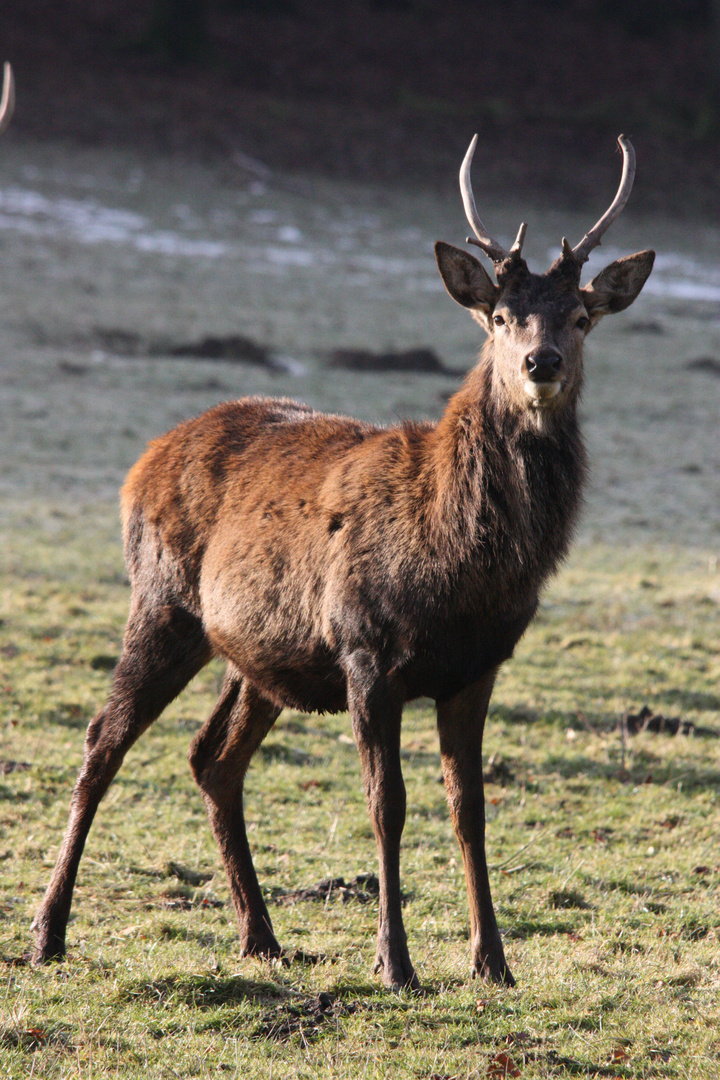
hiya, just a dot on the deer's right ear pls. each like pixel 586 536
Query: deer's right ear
pixel 466 280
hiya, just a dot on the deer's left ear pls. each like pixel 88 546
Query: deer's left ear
pixel 618 285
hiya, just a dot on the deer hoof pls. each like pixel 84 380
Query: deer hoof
pixel 47 950
pixel 396 970
pixel 262 945
pixel 48 944
pixel 493 972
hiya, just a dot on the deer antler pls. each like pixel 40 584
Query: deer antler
pixel 581 252
pixel 7 102
pixel 484 240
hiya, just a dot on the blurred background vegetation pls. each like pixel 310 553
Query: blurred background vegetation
pixel 386 90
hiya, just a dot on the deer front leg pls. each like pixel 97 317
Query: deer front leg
pixel 461 722
pixel 375 704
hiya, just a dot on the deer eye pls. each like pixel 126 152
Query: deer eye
pixel 498 320
pixel 583 322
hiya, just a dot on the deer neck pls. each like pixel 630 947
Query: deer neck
pixel 506 486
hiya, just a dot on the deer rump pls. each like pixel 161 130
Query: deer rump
pixel 299 540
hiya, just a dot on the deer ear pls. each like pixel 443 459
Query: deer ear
pixel 618 285
pixel 465 279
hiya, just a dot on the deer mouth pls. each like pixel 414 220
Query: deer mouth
pixel 541 393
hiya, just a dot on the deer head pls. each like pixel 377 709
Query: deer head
pixel 537 323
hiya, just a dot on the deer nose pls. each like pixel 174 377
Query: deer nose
pixel 542 365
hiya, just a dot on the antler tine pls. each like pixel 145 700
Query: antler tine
pixel 484 239
pixel 7 102
pixel 581 253
pixel 519 239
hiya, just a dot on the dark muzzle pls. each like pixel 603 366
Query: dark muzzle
pixel 543 365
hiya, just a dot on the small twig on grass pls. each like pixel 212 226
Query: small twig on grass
pixel 268 176
pixel 586 723
pixel 534 840
pixel 157 757
pixel 571 874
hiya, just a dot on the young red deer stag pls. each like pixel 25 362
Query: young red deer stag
pixel 334 564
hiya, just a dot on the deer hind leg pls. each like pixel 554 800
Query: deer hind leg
pixel 163 648
pixel 461 722
pixel 219 757
pixel 375 703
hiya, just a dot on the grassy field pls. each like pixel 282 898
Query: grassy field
pixel 603 848
pixel 602 844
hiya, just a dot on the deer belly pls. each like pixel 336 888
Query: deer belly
pixel 270 631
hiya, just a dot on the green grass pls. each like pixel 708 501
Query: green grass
pixel 603 849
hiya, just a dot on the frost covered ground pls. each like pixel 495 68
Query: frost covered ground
pixel 110 261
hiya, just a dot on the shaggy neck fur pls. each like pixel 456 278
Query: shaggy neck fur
pixel 507 488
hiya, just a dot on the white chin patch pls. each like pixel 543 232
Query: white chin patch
pixel 541 393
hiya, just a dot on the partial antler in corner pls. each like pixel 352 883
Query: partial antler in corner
pixel 7 101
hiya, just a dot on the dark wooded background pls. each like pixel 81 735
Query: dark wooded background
pixel 386 90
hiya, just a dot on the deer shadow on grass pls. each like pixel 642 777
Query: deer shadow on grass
pixel 649 755
pixel 646 762
pixel 206 991
pixel 282 1013
pixel 691 699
